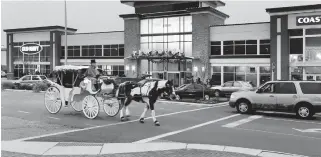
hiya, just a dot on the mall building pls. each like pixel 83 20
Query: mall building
pixel 178 40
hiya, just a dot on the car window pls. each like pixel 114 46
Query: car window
pixel 310 88
pixel 268 88
pixel 26 78
pixel 43 77
pixel 35 78
pixel 285 88
pixel 228 84
pixel 237 84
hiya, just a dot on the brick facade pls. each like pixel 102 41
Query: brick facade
pixel 201 47
pixel 132 43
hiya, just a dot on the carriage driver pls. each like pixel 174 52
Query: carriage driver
pixel 92 73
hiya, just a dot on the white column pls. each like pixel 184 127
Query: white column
pixel 278 50
pixel 304 48
pixel 54 50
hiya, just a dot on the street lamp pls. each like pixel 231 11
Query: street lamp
pixel 66 47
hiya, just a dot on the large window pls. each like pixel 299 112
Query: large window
pixel 24 64
pixel 92 50
pixel 112 70
pixel 216 48
pixel 176 43
pixel 166 25
pixel 265 47
pixel 313 48
pixel 240 47
pixel 168 33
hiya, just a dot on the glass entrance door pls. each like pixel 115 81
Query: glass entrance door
pixel 174 76
pixel 314 77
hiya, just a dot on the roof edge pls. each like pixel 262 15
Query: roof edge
pixel 39 28
pixel 252 23
pixel 98 32
pixel 293 8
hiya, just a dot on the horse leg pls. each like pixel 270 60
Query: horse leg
pixel 152 103
pixel 122 118
pixel 142 117
pixel 127 113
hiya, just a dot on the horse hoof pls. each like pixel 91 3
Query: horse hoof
pixel 141 120
pixel 157 123
pixel 122 119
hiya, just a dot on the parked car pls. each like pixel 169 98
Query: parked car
pixel 193 90
pixel 31 80
pixel 3 74
pixel 231 86
pixel 300 97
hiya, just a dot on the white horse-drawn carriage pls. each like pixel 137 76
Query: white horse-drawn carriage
pixel 73 90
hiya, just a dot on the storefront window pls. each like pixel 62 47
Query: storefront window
pixel 265 74
pixel 296 46
pixel 296 73
pixel 216 76
pixel 313 49
pixel 314 31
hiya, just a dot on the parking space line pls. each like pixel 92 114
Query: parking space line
pixel 91 125
pixel 54 118
pixel 183 130
pixel 269 132
pixel 24 112
pixel 118 123
pixel 289 120
pixel 242 121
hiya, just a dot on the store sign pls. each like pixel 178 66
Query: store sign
pixel 308 20
pixel 30 48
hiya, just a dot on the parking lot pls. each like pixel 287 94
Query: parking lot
pixel 219 125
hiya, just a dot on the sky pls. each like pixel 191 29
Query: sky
pixel 101 16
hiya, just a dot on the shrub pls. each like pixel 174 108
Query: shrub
pixel 7 85
pixel 25 87
pixel 40 87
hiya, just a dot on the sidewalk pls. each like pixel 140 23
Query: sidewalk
pixel 170 153
pixel 132 149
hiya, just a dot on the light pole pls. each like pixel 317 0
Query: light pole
pixel 66 47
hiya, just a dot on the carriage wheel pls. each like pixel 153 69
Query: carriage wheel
pixel 90 107
pixel 77 105
pixel 111 108
pixel 53 102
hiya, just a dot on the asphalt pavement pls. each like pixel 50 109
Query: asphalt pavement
pixel 217 125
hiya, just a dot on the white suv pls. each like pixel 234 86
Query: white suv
pixel 300 97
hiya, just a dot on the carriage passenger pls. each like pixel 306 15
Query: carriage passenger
pixel 92 73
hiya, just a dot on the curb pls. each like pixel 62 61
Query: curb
pixel 70 148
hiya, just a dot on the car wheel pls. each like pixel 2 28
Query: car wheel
pixel 178 97
pixel 304 111
pixel 217 93
pixel 243 107
pixel 206 97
